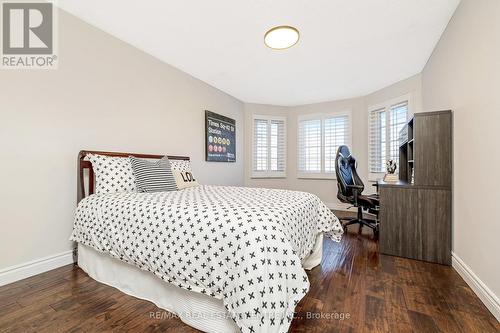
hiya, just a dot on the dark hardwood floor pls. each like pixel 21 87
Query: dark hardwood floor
pixel 354 290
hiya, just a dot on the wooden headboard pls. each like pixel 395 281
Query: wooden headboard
pixel 86 165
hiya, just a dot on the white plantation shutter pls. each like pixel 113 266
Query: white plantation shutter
pixel 269 147
pixel 260 145
pixel 277 145
pixel 310 145
pixel 319 139
pixel 336 133
pixel 377 138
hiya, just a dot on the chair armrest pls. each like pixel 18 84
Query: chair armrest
pixel 355 191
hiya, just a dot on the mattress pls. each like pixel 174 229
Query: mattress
pixel 200 311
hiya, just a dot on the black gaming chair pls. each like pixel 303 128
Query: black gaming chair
pixel 350 189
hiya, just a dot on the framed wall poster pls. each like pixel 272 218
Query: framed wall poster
pixel 220 138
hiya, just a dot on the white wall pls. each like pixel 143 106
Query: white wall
pixel 326 190
pixel 105 95
pixel 463 74
pixel 411 86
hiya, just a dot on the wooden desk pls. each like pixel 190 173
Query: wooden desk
pixel 415 222
pixel 415 219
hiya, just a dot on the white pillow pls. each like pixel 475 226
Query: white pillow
pixel 180 165
pixel 112 174
pixel 184 179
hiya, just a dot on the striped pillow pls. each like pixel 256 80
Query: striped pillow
pixel 153 176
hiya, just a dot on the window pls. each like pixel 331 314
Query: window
pixel 386 122
pixel 269 147
pixel 319 137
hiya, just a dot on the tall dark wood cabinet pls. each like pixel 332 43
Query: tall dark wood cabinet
pixel 416 212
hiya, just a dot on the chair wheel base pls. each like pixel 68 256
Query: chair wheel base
pixel 372 224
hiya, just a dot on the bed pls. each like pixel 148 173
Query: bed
pixel 224 259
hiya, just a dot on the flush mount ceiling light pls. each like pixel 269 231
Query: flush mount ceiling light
pixel 281 37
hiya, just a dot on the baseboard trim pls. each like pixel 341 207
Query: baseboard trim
pixel 22 271
pixel 482 291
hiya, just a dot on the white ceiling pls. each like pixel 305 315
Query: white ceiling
pixel 348 48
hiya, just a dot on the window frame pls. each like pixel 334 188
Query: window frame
pixel 268 173
pixel 322 116
pixel 386 106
